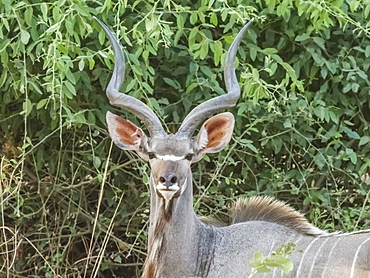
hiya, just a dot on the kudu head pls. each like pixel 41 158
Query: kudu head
pixel 170 155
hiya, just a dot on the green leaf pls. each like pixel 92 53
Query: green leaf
pixel 28 15
pixel 257 260
pixel 263 269
pixel 25 36
pixel 70 87
pixel 351 134
pixel 248 143
pixel 151 23
pixel 137 69
pixel 53 28
pixel 117 259
pixel 27 107
pixel 364 140
pixel 352 155
pixel 206 70
pixel 81 10
pixel 347 88
pixel 214 19
pixel 81 65
pixel 147 87
pixel 41 103
pixel 44 11
pixel 56 13
pixel 180 21
pixel 131 85
pixel 287 266
pixel 204 49
pixel 289 70
pixel 171 82
pixel 355 87
pixel 177 37
pixel 270 51
pixel 191 87
pixel 252 148
pixel 194 31
pixel 91 118
pixel 319 41
pixel 134 59
pixel 3 78
pixel 302 37
pixel 319 160
pixel 193 18
pixel 367 49
pixel 96 161
pixel 366 11
pixel 217 49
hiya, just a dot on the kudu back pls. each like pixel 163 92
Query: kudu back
pixel 179 244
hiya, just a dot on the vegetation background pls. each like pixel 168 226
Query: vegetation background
pixel 73 205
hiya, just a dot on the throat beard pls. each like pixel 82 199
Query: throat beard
pixel 153 266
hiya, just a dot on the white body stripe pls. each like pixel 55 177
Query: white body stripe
pixel 330 254
pixel 316 255
pixel 353 268
pixel 303 261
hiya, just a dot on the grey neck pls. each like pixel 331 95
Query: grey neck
pixel 175 236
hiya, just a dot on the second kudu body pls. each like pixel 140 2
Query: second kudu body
pixel 179 244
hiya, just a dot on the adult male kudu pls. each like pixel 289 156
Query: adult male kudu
pixel 179 244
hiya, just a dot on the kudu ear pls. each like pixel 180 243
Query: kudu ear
pixel 125 134
pixel 214 134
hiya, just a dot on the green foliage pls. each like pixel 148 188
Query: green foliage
pixel 279 258
pixel 71 203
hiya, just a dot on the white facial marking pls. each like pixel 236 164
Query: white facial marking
pixel 184 185
pixel 167 193
pixel 170 157
pixel 174 187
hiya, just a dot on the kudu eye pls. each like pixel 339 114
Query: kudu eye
pixel 151 155
pixel 189 156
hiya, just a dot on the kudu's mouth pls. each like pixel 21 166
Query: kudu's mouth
pixel 168 192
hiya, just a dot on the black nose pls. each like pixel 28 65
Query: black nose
pixel 168 180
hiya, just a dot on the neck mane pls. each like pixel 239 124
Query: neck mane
pixel 157 240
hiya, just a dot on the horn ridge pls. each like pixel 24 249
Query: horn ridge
pixel 130 104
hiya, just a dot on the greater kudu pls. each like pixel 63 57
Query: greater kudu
pixel 180 245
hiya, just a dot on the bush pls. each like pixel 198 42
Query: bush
pixel 72 204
